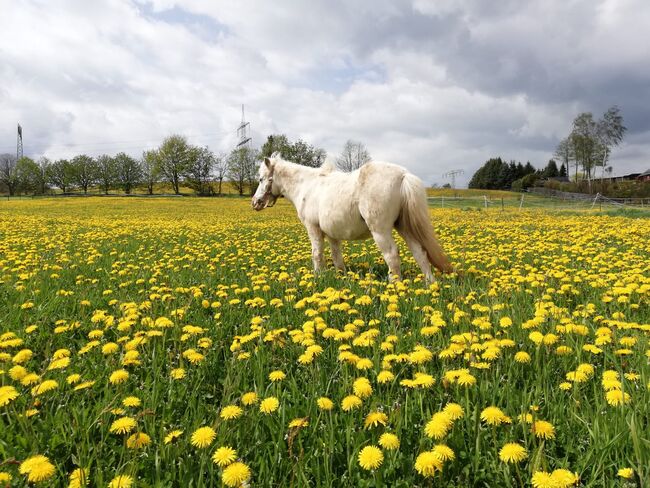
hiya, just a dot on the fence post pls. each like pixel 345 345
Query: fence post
pixel 502 204
pixel 486 202
pixel 595 200
pixel 442 201
pixel 521 203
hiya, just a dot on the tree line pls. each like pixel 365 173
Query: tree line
pixel 496 174
pixel 175 162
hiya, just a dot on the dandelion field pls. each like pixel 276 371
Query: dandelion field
pixel 186 342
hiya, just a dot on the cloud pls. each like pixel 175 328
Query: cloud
pixel 434 86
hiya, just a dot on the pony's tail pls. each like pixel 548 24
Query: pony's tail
pixel 414 220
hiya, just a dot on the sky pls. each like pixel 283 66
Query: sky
pixel 433 85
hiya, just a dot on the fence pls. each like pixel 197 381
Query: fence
pixel 542 201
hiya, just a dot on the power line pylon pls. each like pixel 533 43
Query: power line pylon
pixel 452 174
pixel 19 143
pixel 244 132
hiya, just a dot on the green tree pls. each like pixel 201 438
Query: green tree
pixel 298 152
pixel 28 175
pixel 563 171
pixel 220 170
pixel 59 174
pixel 564 153
pixel 106 172
pixel 84 171
pixel 199 170
pixel 174 157
pixel 242 169
pixel 551 170
pixel 128 172
pixel 149 169
pixel 586 147
pixel 609 131
pixel 9 176
pixel 275 143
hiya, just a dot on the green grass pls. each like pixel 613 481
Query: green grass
pixel 245 279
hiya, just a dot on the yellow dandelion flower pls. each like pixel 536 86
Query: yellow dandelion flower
pixel 542 479
pixel 177 373
pixel 78 478
pixel 370 457
pixel 277 376
pixel 203 437
pixel 131 401
pixel 494 416
pixel 231 412
pixel 454 411
pixel 389 441
pixel 325 403
pixel 138 440
pixel 44 387
pixel 626 473
pixel 224 456
pixel 513 453
pixel 7 395
pixel 374 419
pixel 362 387
pixel 427 463
pixel 438 426
pixel 121 481
pixel 564 478
pixel 617 397
pixel 236 474
pixel 444 452
pixel 543 429
pixel 522 357
pixel 269 405
pixel 37 468
pixel 299 423
pixel 123 425
pixel 249 398
pixel 173 436
pixel 118 376
pixel 385 376
pixel 351 402
pixel 5 477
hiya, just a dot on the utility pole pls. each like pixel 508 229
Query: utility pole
pixel 452 174
pixel 244 132
pixel 19 143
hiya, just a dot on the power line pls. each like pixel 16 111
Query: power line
pixel 452 174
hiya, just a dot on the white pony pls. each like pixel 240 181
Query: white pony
pixel 370 201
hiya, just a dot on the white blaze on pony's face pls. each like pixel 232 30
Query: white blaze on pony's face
pixel 265 196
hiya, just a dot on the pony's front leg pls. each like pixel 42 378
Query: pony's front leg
pixel 316 238
pixel 388 248
pixel 337 256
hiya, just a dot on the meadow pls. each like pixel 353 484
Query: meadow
pixel 186 342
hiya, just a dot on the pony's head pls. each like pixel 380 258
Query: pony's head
pixel 267 192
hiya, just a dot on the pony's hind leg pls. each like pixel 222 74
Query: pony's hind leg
pixel 388 248
pixel 337 256
pixel 419 254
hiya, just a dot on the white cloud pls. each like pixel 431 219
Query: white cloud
pixel 431 85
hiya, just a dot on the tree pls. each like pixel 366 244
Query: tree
pixel 585 143
pixel 60 174
pixel 128 172
pixel 9 173
pixel 563 171
pixel 27 170
pixel 174 156
pixel 609 131
pixel 564 153
pixel 551 170
pixel 84 171
pixel 199 170
pixel 149 169
pixel 43 165
pixel 275 143
pixel 353 156
pixel 220 169
pixel 242 168
pixel 106 172
pixel 298 152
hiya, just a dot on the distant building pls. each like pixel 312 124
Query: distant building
pixel 645 176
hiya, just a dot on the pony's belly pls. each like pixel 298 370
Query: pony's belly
pixel 346 231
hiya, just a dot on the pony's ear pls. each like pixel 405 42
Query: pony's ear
pixel 267 161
